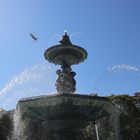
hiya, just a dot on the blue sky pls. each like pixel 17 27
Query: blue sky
pixel 108 29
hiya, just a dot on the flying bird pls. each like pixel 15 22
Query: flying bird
pixel 33 37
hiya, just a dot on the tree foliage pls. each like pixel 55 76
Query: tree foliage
pixel 129 118
pixel 5 126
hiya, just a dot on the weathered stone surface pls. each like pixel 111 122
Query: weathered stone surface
pixel 61 117
pixel 65 81
pixel 65 117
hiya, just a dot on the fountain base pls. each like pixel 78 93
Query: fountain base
pixel 65 117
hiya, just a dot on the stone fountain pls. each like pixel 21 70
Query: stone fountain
pixel 63 116
pixel 65 54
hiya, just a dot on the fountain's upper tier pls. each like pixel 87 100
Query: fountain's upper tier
pixel 65 53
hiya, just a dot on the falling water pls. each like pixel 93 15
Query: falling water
pixel 32 81
pixel 113 69
pixel 75 33
pixel 124 67
pixel 55 36
pixel 16 125
pixel 82 40
pixel 96 130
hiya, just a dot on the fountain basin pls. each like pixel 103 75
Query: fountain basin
pixel 69 55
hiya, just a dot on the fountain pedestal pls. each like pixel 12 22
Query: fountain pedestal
pixel 65 82
pixel 65 54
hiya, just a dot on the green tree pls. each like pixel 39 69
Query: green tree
pixel 5 126
pixel 129 118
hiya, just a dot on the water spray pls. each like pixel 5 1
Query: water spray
pixel 30 82
pixel 96 130
pixel 75 33
pixel 112 69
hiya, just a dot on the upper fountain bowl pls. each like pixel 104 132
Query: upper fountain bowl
pixel 65 53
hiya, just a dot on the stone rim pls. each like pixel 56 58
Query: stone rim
pixel 71 54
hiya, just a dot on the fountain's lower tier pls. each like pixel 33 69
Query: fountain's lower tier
pixel 65 117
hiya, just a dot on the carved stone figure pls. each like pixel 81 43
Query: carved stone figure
pixel 65 82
